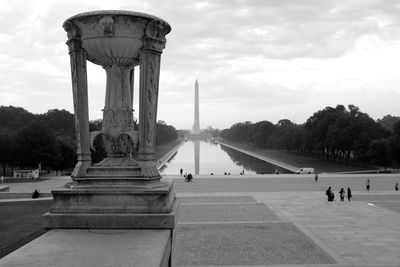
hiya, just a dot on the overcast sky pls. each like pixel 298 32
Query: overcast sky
pixel 255 60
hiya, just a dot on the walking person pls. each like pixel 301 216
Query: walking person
pixel 181 171
pixel 316 177
pixel 341 193
pixel 367 185
pixel 396 187
pixel 349 194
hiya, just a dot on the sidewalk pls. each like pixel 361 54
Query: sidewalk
pixel 221 222
pixel 43 187
pixel 315 232
pixel 284 220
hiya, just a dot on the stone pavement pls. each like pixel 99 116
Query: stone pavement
pixel 285 221
pixel 356 233
pixel 295 228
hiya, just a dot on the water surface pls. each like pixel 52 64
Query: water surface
pixel 206 157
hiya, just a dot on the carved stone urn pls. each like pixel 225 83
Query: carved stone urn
pixel 125 189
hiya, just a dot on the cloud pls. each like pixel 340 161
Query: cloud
pixel 255 59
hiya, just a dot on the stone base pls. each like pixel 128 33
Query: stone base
pixel 120 206
pixel 112 221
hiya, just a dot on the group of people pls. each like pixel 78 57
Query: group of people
pixel 188 176
pixel 331 195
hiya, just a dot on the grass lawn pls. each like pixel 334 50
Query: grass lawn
pixel 20 223
pixel 299 161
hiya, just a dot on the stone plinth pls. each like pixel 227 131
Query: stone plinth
pixel 113 208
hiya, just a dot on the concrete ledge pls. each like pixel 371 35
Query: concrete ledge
pixel 74 247
pixel 112 221
pixel 4 188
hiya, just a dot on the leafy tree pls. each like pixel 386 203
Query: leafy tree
pixel 339 134
pixel 379 152
pixel 14 118
pixel 165 133
pixel 35 145
pixel 388 122
pixel 7 150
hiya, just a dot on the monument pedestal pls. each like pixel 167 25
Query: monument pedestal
pixel 123 205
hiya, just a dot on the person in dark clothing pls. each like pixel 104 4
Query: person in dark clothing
pixel 341 193
pixel 330 194
pixel 316 177
pixel 349 194
pixel 181 171
pixel 367 185
pixel 396 187
pixel 35 194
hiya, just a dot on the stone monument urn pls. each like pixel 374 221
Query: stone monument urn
pixel 125 190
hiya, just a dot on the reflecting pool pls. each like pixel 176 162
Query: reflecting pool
pixel 206 157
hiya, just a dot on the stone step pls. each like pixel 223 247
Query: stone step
pixel 106 171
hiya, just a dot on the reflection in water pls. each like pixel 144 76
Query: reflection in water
pixel 196 156
pixel 215 159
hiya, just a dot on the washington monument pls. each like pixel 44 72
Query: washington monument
pixel 196 126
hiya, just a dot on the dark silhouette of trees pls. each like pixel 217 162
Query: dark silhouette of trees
pixel 336 134
pixel 165 133
pixel 35 145
pixel 7 150
pixel 388 122
pixel 28 139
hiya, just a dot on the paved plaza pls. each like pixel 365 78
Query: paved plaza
pixel 284 220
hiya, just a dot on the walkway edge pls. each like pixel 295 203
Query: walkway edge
pixel 164 159
pixel 269 160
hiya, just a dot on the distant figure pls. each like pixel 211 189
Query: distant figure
pixel 224 173
pixel 35 194
pixel 329 193
pixel 189 177
pixel 341 193
pixel 276 171
pixel 367 185
pixel 181 171
pixel 212 173
pixel 316 177
pixel 229 173
pixel 2 179
pixel 349 194
pixel 396 186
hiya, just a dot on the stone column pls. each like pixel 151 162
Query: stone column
pixel 80 95
pixel 150 56
pixel 118 108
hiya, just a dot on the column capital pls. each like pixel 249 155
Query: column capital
pixel 154 38
pixel 74 37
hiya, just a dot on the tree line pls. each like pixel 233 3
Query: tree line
pixel 27 139
pixel 336 134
